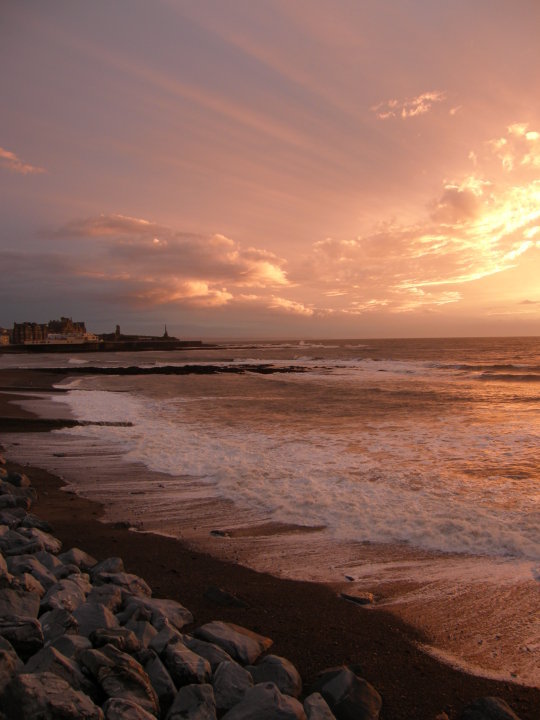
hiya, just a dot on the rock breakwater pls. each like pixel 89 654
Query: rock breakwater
pixel 83 638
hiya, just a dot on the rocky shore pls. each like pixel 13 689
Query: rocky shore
pixel 82 638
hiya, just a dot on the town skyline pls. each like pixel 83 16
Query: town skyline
pixel 272 170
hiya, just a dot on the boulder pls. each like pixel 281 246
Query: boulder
pixel 166 635
pixel 120 675
pixel 359 597
pixel 24 633
pixel 93 616
pixel 120 637
pixel 214 654
pixel 50 543
pixel 144 631
pixel 349 696
pixel 12 542
pixel 230 682
pixel 161 681
pixel 121 709
pixel 130 584
pixel 57 623
pixel 71 645
pixel 160 612
pixel 66 594
pixel 185 666
pixel 12 517
pixel 30 520
pixel 280 671
pixel 265 702
pixel 52 660
pixel 109 565
pixel 10 664
pixel 64 571
pixel 222 597
pixel 193 702
pixel 488 708
pixel 30 584
pixel 76 556
pixel 316 708
pixel 17 601
pixel 33 566
pixel 50 561
pixel 19 479
pixel 108 595
pixel 241 644
pixel 47 697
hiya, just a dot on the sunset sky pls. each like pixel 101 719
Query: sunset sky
pixel 272 168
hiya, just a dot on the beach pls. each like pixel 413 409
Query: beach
pixel 309 623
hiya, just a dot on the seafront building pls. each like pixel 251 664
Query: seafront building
pixel 64 330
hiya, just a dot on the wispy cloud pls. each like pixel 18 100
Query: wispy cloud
pixel 10 161
pixel 410 107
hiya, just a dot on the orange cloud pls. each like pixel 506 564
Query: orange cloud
pixel 10 161
pixel 410 107
pixel 161 265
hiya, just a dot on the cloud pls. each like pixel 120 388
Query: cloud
pixel 410 107
pixel 480 225
pixel 10 161
pixel 518 149
pixel 290 306
pixel 154 264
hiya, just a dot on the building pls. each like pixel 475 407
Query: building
pixel 4 336
pixel 29 332
pixel 65 326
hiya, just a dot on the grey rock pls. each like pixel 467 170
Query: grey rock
pixel 265 702
pixel 30 584
pixel 50 543
pixel 122 709
pixel 32 565
pixel 17 601
pixel 30 520
pixel 166 635
pixel 241 644
pixel 64 595
pixel 19 479
pixel 13 542
pixel 120 637
pixel 488 708
pixel 185 666
pixel 108 595
pixel 10 664
pixel 213 653
pixel 50 561
pixel 130 584
pixel 24 633
pixel 280 671
pixel 57 623
pixel 64 571
pixel 161 682
pixel 12 517
pixel 48 697
pixel 349 696
pixel 71 645
pixel 144 631
pixel 161 612
pixel 360 597
pixel 92 616
pixel 316 708
pixel 109 565
pixel 9 502
pixel 193 702
pixel 52 660
pixel 76 556
pixel 120 675
pixel 230 682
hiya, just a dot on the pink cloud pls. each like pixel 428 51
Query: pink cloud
pixel 10 161
pixel 410 107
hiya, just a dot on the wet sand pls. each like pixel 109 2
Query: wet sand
pixel 308 622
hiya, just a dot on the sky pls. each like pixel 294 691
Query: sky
pixel 271 168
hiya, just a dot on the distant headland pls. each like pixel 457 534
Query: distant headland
pixel 66 335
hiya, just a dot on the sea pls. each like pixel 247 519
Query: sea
pixel 406 469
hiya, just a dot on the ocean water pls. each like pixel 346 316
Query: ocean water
pixel 415 462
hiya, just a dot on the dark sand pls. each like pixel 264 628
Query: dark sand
pixel 309 624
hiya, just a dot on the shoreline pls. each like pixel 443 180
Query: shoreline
pixel 308 622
